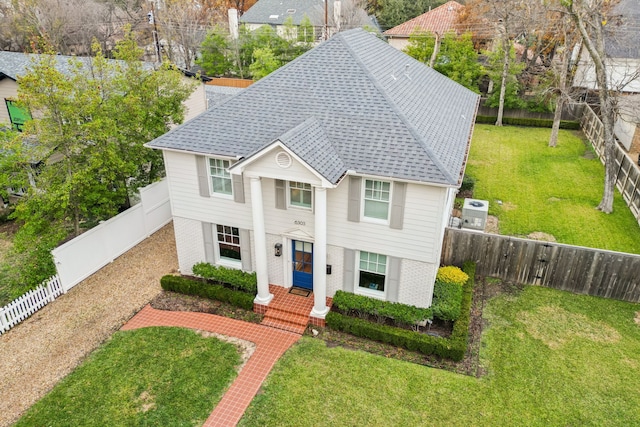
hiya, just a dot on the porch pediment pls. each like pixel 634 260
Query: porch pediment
pixel 303 153
pixel 298 234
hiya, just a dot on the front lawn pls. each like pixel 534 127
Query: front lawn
pixel 150 376
pixel 534 188
pixel 550 357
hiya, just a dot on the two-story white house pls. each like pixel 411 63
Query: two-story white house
pixel 338 171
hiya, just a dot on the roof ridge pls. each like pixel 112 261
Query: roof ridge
pixel 414 132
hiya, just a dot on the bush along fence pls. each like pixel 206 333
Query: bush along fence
pixel 30 302
pixel 569 268
pixel 454 347
pixel 627 173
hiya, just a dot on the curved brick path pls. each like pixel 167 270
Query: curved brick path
pixel 270 345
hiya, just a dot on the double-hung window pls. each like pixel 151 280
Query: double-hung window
pixel 377 196
pixel 300 194
pixel 228 243
pixel 220 176
pixel 373 271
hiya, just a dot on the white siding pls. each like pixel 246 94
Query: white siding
pixel 8 89
pixel 418 243
pixel 418 239
pixel 186 201
pixel 266 166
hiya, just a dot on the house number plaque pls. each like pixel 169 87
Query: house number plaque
pixel 297 222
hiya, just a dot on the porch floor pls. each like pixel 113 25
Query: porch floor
pixel 291 312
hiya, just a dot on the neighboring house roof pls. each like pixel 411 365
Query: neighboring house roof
pixel 15 64
pixel 438 21
pixel 277 11
pixel 218 94
pixel 622 38
pixel 353 103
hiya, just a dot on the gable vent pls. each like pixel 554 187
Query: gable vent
pixel 283 160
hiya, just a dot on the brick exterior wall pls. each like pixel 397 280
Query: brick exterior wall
pixel 189 243
pixel 416 280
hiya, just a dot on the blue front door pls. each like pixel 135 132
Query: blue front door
pixel 302 264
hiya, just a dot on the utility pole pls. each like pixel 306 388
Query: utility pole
pixel 326 19
pixel 152 20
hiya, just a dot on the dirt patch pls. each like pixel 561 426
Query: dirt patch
pixel 245 348
pixel 555 327
pixel 637 318
pixel 539 235
pixel 554 199
pixel 491 226
pixel 508 206
pixel 146 402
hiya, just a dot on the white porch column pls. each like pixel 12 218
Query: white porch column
pixel 320 308
pixel 260 240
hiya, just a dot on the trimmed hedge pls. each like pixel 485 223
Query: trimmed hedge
pixel 187 286
pixel 453 347
pixel 363 307
pixel 231 277
pixel 541 123
pixel 447 293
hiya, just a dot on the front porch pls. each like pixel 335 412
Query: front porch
pixel 288 311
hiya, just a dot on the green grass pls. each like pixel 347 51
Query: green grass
pixel 146 377
pixel 553 359
pixel 550 190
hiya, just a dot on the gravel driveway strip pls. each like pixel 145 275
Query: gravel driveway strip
pixel 38 353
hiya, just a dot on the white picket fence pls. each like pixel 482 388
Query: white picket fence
pixel 27 304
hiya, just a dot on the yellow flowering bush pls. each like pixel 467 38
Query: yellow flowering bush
pixel 452 274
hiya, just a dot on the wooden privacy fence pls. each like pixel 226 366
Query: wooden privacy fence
pixel 27 304
pixel 627 173
pixel 569 268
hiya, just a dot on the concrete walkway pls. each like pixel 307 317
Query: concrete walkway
pixel 270 345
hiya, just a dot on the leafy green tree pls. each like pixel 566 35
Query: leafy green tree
pixel 264 63
pixel 88 131
pixel 215 54
pixel 221 56
pixel 394 12
pixel 456 58
pixel 512 97
pixel 306 32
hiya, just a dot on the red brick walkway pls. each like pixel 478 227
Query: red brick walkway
pixel 270 345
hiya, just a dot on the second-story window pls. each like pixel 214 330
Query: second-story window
pixel 300 194
pixel 220 177
pixel 377 195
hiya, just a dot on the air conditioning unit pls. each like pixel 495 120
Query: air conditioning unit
pixel 474 214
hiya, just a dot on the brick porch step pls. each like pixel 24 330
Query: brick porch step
pixel 281 318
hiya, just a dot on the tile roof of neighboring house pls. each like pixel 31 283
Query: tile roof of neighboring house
pixel 277 11
pixel 218 94
pixel 352 103
pixel 622 37
pixel 439 20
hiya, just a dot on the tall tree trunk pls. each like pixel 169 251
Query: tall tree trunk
pixel 581 12
pixel 562 87
pixel 503 81
pixel 436 49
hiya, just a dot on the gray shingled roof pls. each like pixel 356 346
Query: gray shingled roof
pixel 218 94
pixel 277 11
pixel 15 64
pixel 384 114
pixel 622 38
